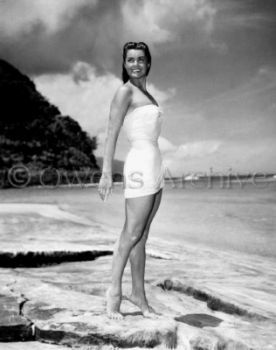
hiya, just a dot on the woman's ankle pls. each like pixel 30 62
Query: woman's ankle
pixel 138 294
pixel 115 291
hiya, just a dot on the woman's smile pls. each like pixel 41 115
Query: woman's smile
pixel 136 63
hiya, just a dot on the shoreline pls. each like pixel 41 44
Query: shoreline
pixel 222 279
pixel 219 183
pixel 53 237
pixel 228 220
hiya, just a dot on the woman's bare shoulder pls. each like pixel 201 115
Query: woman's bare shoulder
pixel 123 94
pixel 124 89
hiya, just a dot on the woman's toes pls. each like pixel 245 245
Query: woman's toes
pixel 113 303
pixel 115 315
pixel 143 305
pixel 150 313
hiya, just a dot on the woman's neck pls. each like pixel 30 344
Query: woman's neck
pixel 139 83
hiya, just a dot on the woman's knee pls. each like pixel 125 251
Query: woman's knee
pixel 133 234
pixel 139 246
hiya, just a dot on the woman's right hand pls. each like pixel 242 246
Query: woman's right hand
pixel 105 186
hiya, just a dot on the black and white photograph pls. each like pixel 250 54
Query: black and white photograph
pixel 137 174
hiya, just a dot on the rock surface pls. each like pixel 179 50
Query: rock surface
pixel 62 304
pixel 13 326
pixel 67 317
pixel 33 345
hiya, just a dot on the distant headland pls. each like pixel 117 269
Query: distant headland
pixel 34 136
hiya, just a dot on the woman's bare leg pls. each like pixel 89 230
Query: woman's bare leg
pixel 137 211
pixel 138 260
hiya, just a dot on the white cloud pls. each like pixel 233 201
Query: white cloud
pixel 156 20
pixel 192 155
pixel 195 149
pixel 262 82
pixel 85 96
pixel 17 16
pixel 200 156
pixel 166 20
pixel 52 34
pixel 81 94
pixel 165 145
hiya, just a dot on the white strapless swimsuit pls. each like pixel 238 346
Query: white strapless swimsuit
pixel 143 168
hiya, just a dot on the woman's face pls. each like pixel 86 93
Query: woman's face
pixel 136 64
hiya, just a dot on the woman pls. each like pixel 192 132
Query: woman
pixel 134 108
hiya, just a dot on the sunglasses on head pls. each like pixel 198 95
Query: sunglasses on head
pixel 136 45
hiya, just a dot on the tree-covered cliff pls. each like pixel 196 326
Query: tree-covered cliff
pixel 34 133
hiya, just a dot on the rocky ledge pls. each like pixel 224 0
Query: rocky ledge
pixel 32 310
pixel 58 302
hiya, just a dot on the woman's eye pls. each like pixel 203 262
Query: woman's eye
pixel 141 59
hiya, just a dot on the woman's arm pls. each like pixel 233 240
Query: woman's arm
pixel 118 109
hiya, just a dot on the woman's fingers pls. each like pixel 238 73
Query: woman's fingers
pixel 101 191
pixel 104 192
pixel 105 195
pixel 108 193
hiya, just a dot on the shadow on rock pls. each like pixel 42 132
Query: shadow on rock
pixel 199 320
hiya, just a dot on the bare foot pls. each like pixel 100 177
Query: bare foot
pixel 143 305
pixel 113 302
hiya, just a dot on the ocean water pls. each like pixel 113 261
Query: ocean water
pixel 221 240
pixel 237 218
pixel 240 218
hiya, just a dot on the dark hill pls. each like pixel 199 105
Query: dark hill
pixel 117 165
pixel 34 133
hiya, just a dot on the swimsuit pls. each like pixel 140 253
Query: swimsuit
pixel 143 168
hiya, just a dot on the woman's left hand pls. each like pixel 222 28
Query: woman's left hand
pixel 105 186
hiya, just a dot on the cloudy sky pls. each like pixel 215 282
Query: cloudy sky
pixel 213 71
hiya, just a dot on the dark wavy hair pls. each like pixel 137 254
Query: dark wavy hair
pixel 136 46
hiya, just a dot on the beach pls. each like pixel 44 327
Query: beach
pixel 216 242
